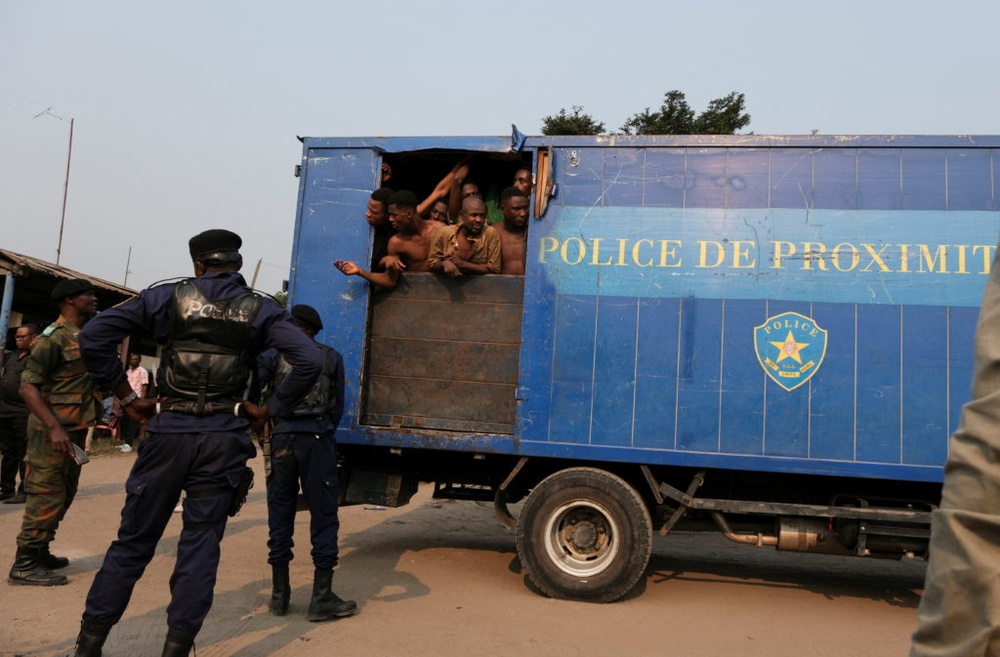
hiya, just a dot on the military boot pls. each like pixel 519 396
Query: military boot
pixel 325 604
pixel 29 570
pixel 91 639
pixel 178 644
pixel 51 561
pixel 280 589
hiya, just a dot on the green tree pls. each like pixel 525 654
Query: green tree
pixel 281 298
pixel 724 116
pixel 577 123
pixel 675 117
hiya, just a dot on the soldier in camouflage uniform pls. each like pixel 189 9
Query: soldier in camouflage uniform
pixel 60 396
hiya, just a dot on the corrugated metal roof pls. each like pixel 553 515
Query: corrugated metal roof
pixel 22 265
pixel 33 280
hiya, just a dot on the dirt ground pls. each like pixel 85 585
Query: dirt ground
pixel 442 578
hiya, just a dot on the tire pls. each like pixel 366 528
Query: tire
pixel 584 534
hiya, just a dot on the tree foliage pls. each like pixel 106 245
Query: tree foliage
pixel 675 117
pixel 723 116
pixel 577 123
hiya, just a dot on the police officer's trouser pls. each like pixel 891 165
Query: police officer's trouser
pixel 209 467
pixel 959 614
pixel 312 459
pixel 50 480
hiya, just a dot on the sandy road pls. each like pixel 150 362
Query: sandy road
pixel 442 579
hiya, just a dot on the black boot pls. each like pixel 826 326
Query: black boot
pixel 51 561
pixel 280 589
pixel 29 570
pixel 91 639
pixel 178 644
pixel 325 604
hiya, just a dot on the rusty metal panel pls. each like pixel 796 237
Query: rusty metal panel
pixel 492 288
pixel 452 321
pixel 444 354
pixel 483 362
pixel 441 404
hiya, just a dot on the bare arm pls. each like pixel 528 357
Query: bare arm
pixel 455 196
pixel 385 279
pixel 444 187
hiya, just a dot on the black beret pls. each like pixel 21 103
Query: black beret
pixel 404 199
pixel 214 240
pixel 70 288
pixel 308 316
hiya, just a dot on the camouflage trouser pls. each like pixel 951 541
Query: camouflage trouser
pixel 51 480
pixel 959 614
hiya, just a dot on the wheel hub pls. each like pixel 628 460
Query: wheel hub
pixel 583 536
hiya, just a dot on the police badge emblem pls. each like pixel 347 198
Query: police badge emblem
pixel 790 348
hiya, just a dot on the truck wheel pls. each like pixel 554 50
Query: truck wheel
pixel 584 534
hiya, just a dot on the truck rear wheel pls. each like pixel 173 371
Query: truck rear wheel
pixel 584 534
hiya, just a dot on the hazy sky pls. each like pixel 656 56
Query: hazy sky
pixel 186 113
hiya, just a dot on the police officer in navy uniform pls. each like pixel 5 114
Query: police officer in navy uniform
pixel 303 450
pixel 212 327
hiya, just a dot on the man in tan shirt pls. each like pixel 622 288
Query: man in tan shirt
pixel 469 247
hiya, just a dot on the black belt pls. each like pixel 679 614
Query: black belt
pixel 201 409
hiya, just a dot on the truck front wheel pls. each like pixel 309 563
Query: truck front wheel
pixel 584 534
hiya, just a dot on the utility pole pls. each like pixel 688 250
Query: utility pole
pixel 256 271
pixel 62 220
pixel 128 261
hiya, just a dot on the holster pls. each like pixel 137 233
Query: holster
pixel 241 492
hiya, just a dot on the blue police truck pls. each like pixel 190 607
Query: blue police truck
pixel 764 336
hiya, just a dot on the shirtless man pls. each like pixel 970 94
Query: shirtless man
pixel 470 247
pixel 377 216
pixel 512 230
pixel 408 248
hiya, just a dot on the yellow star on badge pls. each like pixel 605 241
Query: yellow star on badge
pixel 789 348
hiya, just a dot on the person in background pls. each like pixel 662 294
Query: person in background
pixel 462 187
pixel 138 379
pixel 213 327
pixel 14 416
pixel 439 212
pixel 60 397
pixel 303 451
pixel 522 180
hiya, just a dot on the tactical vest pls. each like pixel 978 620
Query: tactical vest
pixel 207 346
pixel 317 401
